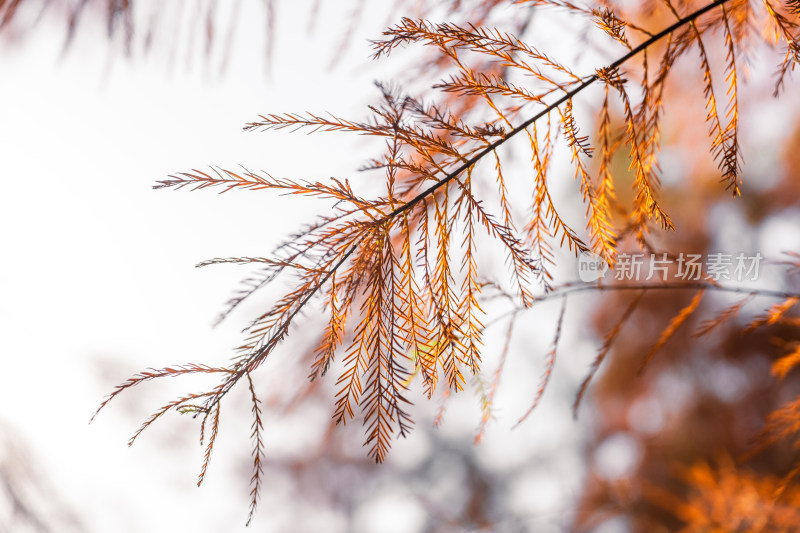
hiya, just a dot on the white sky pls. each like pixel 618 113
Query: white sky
pixel 98 269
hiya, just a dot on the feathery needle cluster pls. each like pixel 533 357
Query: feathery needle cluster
pixel 399 274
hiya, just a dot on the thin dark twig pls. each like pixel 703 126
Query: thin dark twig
pixel 692 285
pixel 567 96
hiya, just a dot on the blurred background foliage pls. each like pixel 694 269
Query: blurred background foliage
pixel 672 449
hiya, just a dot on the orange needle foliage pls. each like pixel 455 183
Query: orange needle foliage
pixel 399 274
